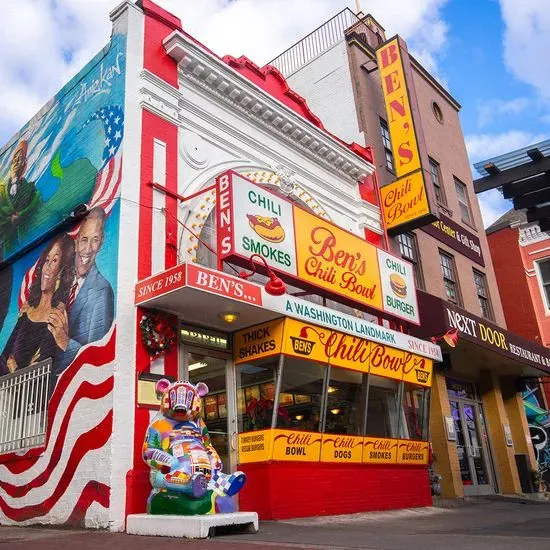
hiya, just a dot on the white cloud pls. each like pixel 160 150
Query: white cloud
pixel 48 42
pixel 485 146
pixel 492 205
pixel 527 41
pixel 493 110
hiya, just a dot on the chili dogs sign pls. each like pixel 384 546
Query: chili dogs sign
pixel 308 251
pixel 405 202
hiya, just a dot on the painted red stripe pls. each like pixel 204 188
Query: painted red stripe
pixel 93 492
pixel 96 438
pixel 96 356
pixel 85 391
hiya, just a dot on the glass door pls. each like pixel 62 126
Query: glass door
pixel 471 449
pixel 215 369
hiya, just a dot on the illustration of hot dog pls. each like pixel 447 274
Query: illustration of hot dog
pixel 267 228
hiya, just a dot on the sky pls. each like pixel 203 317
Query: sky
pixel 492 55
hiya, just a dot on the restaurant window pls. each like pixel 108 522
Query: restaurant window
pixel 544 276
pixel 435 175
pixel 450 279
pixel 483 295
pixel 416 407
pixel 384 130
pixel 345 402
pixel 408 247
pixel 382 407
pixel 256 393
pixel 301 395
pixel 465 210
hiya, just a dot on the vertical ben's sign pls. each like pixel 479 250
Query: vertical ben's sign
pixel 405 202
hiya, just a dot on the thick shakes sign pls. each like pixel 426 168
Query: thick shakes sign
pixel 308 251
pixel 406 204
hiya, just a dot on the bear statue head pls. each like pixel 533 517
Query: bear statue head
pixel 181 400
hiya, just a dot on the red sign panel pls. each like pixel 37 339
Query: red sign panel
pixel 160 284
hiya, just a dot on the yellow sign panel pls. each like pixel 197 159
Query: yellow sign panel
pixel 341 448
pixel 297 446
pixel 255 446
pixel 386 361
pixel 417 370
pixel 324 345
pixel 379 450
pixel 331 258
pixel 412 452
pixel 405 200
pixel 258 341
pixel 398 108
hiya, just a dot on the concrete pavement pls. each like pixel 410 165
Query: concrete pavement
pixel 480 525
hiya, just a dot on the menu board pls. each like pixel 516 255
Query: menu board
pixel 222 405
pixel 299 399
pixel 251 392
pixel 211 407
pixel 286 399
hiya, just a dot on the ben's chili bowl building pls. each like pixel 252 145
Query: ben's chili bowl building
pixel 315 392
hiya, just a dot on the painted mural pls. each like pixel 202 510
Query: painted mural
pixel 58 296
pixel 539 427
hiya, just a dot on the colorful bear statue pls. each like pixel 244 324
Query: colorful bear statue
pixel 185 468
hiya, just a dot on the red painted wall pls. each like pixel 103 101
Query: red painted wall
pixel 281 490
pixel 512 283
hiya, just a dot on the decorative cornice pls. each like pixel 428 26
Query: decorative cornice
pixel 530 234
pixel 227 85
pixel 159 97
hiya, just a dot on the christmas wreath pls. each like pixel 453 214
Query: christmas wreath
pixel 157 334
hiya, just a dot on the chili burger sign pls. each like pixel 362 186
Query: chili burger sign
pixel 309 251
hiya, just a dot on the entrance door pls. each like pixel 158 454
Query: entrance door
pixel 215 369
pixel 471 447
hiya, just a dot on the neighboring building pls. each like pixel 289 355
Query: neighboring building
pixel 479 431
pixel 521 258
pixel 146 182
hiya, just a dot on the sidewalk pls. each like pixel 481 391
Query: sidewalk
pixel 481 525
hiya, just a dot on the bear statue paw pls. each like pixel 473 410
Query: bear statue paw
pixel 199 485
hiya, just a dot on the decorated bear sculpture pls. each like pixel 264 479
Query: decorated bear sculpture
pixel 185 468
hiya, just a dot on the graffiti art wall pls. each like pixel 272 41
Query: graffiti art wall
pixel 57 299
pixel 539 427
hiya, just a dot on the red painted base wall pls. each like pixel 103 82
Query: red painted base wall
pixel 281 490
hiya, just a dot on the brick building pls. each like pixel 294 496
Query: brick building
pixel 478 428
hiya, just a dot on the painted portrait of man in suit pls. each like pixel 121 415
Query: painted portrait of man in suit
pixel 89 313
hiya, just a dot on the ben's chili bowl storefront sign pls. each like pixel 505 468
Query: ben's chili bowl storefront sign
pixel 309 251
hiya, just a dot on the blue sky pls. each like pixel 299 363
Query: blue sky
pixel 493 55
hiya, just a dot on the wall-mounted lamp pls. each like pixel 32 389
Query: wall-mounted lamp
pixel 274 286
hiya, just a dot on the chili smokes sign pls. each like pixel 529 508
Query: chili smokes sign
pixel 308 251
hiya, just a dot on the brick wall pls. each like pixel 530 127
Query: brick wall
pixel 281 490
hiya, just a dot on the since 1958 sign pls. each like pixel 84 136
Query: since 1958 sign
pixel 308 251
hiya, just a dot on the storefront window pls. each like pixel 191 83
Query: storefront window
pixel 382 409
pixel 345 405
pixel 256 393
pixel 416 404
pixel 301 395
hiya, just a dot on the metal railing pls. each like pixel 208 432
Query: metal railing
pixel 24 407
pixel 315 43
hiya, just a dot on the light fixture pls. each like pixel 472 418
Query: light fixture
pixel 335 411
pixel 275 286
pixel 299 417
pixel 195 366
pixel 331 389
pixel 229 316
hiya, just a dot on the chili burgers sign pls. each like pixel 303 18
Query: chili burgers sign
pixel 308 251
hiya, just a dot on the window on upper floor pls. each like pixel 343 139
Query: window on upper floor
pixel 385 132
pixel 450 279
pixel 408 246
pixel 483 295
pixel 435 175
pixel 465 210
pixel 543 268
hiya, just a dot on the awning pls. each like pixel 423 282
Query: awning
pixel 199 295
pixel 494 347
